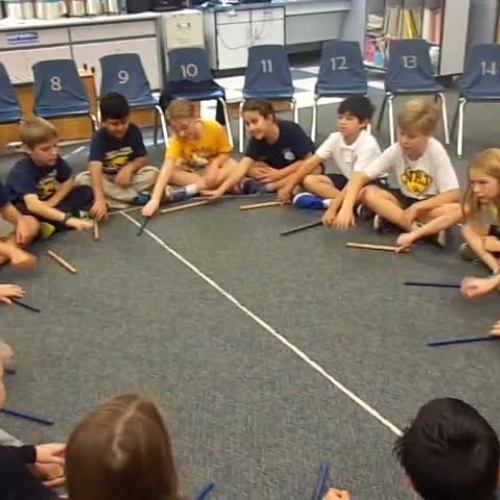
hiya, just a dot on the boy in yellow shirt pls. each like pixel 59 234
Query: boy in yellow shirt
pixel 197 158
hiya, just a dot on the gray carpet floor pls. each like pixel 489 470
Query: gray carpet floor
pixel 243 409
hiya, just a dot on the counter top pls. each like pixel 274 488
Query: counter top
pixel 334 4
pixel 23 24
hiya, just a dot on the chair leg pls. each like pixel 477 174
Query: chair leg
pixel 94 121
pixel 295 110
pixel 382 111
pixel 390 110
pixel 228 123
pixel 314 124
pixel 444 111
pixel 460 135
pixel 241 126
pixel 155 132
pixel 454 121
pixel 163 124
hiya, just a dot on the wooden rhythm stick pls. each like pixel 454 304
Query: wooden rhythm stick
pixel 97 232
pixel 185 206
pixel 266 204
pixel 367 246
pixel 61 261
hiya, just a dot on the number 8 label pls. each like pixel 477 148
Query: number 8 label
pixel 55 84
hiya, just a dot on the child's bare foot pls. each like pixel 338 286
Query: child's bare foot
pixel 22 259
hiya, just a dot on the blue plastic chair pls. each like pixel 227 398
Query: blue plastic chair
pixel 341 74
pixel 9 106
pixel 59 90
pixel 267 76
pixel 124 73
pixel 191 65
pixel 410 72
pixel 480 82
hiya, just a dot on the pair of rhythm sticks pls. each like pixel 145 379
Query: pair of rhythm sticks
pixel 453 340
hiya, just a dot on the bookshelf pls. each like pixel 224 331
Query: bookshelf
pixel 443 23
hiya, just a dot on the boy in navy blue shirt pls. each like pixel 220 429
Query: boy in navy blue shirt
pixel 118 170
pixel 41 182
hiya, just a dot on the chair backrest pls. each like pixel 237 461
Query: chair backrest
pixel 188 64
pixel 124 73
pixel 342 67
pixel 9 105
pixel 268 69
pixel 409 64
pixel 58 86
pixel 481 77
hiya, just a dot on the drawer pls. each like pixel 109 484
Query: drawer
pixel 233 17
pixel 19 39
pixel 95 32
pixel 259 15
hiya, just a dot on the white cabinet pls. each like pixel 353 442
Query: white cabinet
pixel 232 32
pixel 19 62
pixel 88 55
pixel 233 41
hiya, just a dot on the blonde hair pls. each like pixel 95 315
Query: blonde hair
pixel 36 131
pixel 488 163
pixel 418 116
pixel 181 109
pixel 121 451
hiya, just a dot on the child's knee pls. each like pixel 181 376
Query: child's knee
pixel 34 226
pixel 369 193
pixel 309 182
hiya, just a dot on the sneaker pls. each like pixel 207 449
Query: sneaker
pixel 441 238
pixel 363 212
pixel 309 201
pixel 251 186
pixel 46 230
pixel 141 199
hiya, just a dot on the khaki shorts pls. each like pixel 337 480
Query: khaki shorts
pixel 6 229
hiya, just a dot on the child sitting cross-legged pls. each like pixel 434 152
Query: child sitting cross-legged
pixel 197 158
pixel 42 184
pixel 118 161
pixel 352 148
pixel 427 183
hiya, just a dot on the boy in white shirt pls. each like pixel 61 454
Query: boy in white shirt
pixel 427 183
pixel 352 148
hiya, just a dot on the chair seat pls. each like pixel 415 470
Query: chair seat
pixel 51 111
pixel 324 90
pixel 285 93
pixel 200 96
pixel 474 95
pixel 429 88
pixel 10 115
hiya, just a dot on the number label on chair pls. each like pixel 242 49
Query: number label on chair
pixel 410 62
pixel 267 65
pixel 55 83
pixel 123 76
pixel 339 63
pixel 488 68
pixel 189 70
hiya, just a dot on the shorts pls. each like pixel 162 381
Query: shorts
pixel 340 181
pixel 6 229
pixel 404 201
pixel 494 231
